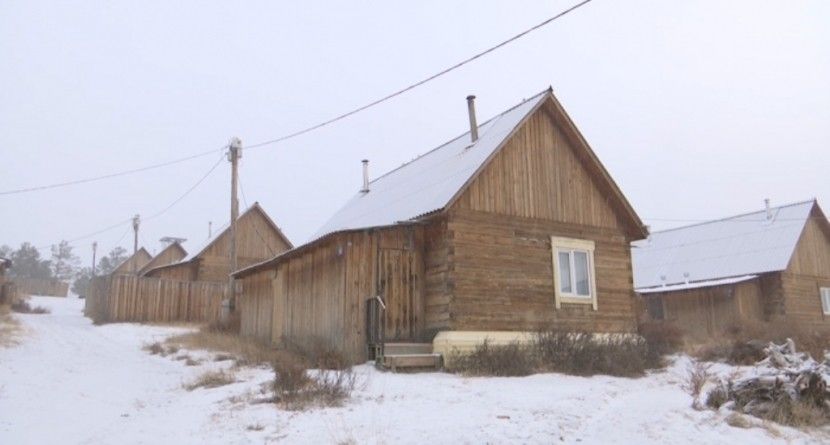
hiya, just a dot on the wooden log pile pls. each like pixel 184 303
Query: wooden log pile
pixel 784 384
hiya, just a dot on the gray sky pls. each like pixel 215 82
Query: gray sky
pixel 699 109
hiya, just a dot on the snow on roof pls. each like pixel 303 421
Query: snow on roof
pixel 696 285
pixel 429 182
pixel 731 247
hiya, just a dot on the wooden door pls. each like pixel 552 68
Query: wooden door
pixel 398 287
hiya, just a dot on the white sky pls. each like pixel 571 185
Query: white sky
pixel 699 109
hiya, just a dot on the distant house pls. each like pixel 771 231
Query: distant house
pixel 258 238
pixel 509 228
pixel 173 253
pixel 769 265
pixel 133 264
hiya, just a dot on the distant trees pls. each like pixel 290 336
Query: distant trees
pixel 26 263
pixel 113 259
pixel 82 280
pixel 64 262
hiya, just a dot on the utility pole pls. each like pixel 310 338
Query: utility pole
pixel 94 250
pixel 210 229
pixel 136 222
pixel 234 153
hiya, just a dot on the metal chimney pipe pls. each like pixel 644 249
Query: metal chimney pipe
pixel 471 109
pixel 365 188
pixel 768 209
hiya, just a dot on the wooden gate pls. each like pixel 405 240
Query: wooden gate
pixel 398 287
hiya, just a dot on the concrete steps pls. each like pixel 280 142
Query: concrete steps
pixel 409 357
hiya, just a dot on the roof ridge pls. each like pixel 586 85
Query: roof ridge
pixel 726 218
pixel 491 119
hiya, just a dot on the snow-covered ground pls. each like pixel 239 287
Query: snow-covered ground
pixel 71 382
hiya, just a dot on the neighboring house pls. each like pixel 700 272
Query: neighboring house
pixel 510 228
pixel 173 253
pixel 769 265
pixel 257 238
pixel 133 264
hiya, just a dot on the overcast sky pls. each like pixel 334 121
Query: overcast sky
pixel 699 109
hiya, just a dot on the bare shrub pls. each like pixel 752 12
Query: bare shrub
pixel 230 326
pixel 155 349
pixel 582 353
pixel 317 353
pixel 212 379
pixel 23 307
pixel 662 338
pixel 509 360
pixel 295 389
pixel 743 344
pixel 697 375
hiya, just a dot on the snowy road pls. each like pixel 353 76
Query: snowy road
pixel 70 382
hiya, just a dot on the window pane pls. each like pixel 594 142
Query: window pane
pixel 565 272
pixel 825 300
pixel 581 273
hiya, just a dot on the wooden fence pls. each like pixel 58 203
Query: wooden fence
pixel 41 286
pixel 142 299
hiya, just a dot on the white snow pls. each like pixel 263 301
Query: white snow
pixel 74 383
pixel 746 244
pixel 695 285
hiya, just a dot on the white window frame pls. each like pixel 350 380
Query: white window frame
pixel 824 296
pixel 558 244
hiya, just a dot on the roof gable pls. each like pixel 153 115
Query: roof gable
pixel 435 180
pixel 173 253
pixel 740 245
pixel 140 258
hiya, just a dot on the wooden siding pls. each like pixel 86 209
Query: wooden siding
pixel 134 263
pixel 807 272
pixel 121 298
pixel 41 286
pixel 182 272
pixel 501 276
pixel 707 312
pixel 437 292
pixel 256 240
pixel 319 295
pixel 538 174
pixel 256 309
pixel 169 255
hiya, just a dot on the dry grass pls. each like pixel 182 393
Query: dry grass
pixel 581 353
pixel 228 346
pixel 212 379
pixel 23 307
pixel 738 421
pixel 10 328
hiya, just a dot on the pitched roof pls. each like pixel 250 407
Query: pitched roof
pixel 432 182
pixel 226 227
pixel 134 257
pixel 153 262
pixel 741 245
pixel 429 182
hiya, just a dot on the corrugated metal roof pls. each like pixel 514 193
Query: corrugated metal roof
pixel 429 182
pixel 731 247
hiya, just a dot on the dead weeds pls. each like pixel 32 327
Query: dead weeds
pixel 212 379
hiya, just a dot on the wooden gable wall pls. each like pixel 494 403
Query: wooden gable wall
pixel 499 229
pixel 256 241
pixel 171 254
pixel 807 272
pixel 134 263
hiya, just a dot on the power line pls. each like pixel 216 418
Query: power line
pixel 316 126
pixel 155 215
pixel 107 176
pixel 422 81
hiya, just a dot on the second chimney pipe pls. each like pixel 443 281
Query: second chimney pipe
pixel 365 188
pixel 768 209
pixel 471 109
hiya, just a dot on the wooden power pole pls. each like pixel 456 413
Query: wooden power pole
pixel 94 250
pixel 136 222
pixel 234 153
